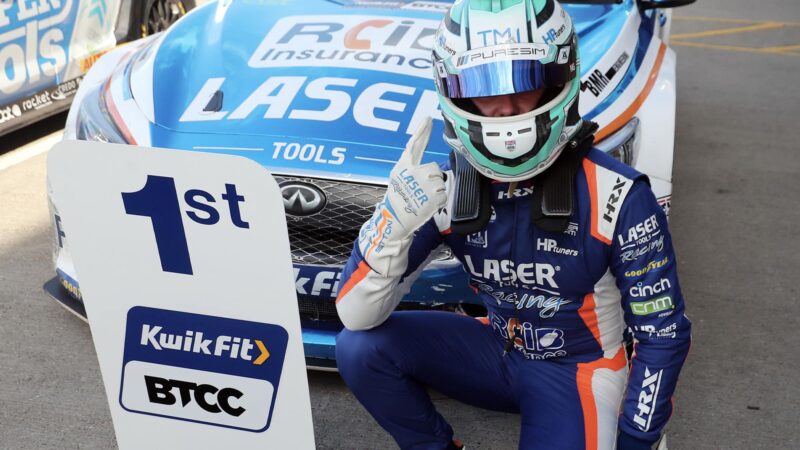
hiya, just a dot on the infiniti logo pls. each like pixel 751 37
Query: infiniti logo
pixel 302 199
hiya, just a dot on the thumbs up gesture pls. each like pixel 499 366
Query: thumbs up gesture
pixel 414 194
pixel 415 191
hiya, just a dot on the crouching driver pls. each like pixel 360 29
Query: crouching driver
pixel 565 246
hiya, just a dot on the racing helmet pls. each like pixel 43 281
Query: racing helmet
pixel 488 48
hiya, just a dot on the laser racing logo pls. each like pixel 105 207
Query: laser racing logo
pixel 203 369
pixel 389 44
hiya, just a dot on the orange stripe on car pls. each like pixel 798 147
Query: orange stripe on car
pixel 589 316
pixel 588 405
pixel 361 272
pixel 115 115
pixel 623 118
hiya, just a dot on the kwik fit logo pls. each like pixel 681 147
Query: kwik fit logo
pixel 204 369
pixel 233 347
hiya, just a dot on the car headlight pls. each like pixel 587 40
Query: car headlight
pixel 94 121
pixel 624 144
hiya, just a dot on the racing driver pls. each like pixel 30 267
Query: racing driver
pixel 566 247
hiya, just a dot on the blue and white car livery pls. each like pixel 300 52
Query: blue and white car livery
pixel 46 46
pixel 325 95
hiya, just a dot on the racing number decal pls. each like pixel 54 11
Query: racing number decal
pixel 158 200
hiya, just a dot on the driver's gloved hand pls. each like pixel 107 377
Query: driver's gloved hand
pixel 415 193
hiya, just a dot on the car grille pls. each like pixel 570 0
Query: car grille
pixel 327 238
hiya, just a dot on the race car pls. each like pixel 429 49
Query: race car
pixel 46 46
pixel 325 94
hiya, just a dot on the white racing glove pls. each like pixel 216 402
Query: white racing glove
pixel 415 193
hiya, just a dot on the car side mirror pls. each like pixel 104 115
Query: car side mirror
pixel 652 4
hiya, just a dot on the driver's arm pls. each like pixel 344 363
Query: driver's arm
pixel 645 267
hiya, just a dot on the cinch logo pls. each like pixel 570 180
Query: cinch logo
pixel 389 44
pixel 204 369
pixel 652 306
pixel 647 399
pixel 191 341
pixel 643 290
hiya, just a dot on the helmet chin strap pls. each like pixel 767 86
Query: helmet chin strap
pixel 554 189
pixel 553 194
pixel 472 207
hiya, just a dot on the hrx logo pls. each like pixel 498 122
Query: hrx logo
pixel 647 399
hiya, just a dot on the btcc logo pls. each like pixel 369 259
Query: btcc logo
pixel 193 342
pixel 160 391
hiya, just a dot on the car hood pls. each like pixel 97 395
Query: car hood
pixel 310 84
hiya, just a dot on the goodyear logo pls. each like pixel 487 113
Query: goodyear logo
pixel 652 306
pixel 199 368
pixel 651 266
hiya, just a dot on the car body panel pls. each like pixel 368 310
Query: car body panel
pixel 45 48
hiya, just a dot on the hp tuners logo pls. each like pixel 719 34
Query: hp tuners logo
pixel 647 399
pixel 389 44
pixel 204 369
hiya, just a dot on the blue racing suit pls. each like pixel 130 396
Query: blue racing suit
pixel 551 347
